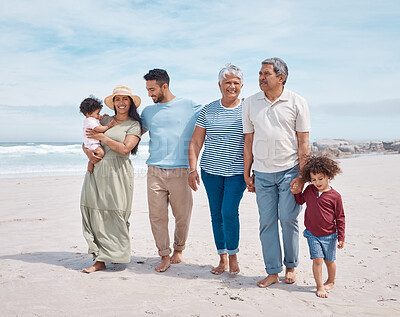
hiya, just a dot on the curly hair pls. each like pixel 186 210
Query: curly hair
pixel 90 104
pixel 320 164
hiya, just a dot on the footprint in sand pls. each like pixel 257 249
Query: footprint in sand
pixel 392 285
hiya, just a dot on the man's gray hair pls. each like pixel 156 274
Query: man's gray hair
pixel 230 69
pixel 280 66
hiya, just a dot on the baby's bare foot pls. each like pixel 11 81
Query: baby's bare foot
pixel 90 167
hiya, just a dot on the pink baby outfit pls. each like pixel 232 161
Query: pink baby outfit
pixel 90 123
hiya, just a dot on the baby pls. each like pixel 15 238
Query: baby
pixel 91 107
pixel 324 218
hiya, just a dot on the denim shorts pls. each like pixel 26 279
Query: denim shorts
pixel 322 247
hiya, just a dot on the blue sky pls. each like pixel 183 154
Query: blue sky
pixel 343 57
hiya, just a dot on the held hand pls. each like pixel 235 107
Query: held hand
pixel 296 185
pixel 340 245
pixel 194 180
pixel 91 134
pixel 250 183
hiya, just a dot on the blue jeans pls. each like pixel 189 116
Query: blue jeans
pixel 224 195
pixel 275 201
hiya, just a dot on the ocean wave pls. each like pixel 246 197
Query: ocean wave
pixel 40 149
pixel 46 159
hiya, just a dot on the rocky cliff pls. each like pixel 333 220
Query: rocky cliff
pixel 342 148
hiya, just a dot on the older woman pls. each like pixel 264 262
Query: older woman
pixel 107 193
pixel 219 127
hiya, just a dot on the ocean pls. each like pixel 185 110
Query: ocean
pixel 35 159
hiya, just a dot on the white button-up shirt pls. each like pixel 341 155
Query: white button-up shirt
pixel 275 125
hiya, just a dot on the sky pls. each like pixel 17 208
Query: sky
pixel 343 58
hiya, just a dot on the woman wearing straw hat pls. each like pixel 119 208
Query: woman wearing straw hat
pixel 107 193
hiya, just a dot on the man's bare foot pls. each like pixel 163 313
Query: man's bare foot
pixel 329 285
pixel 321 292
pixel 97 266
pixel 290 276
pixel 269 280
pixel 164 265
pixel 233 265
pixel 176 257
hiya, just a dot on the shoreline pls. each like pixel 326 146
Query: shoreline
pixel 43 252
pixel 141 171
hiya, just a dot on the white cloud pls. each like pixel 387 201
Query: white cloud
pixel 59 52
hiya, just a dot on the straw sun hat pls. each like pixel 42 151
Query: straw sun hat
pixel 121 90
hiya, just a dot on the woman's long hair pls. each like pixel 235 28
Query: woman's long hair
pixel 134 115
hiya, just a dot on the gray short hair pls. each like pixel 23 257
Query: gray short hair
pixel 280 66
pixel 230 69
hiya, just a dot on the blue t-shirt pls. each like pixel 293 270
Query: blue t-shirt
pixel 223 146
pixel 170 126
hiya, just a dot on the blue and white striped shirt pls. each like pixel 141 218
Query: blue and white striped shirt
pixel 224 142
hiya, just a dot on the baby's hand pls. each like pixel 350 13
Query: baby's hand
pixel 340 245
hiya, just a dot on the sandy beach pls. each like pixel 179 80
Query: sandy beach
pixel 42 252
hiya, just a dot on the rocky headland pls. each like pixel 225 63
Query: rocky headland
pixel 341 148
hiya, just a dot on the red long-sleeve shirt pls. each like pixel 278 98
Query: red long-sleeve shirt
pixel 324 214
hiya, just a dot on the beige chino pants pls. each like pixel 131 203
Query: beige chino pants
pixel 169 186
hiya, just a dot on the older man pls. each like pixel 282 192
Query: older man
pixel 276 123
pixel 170 122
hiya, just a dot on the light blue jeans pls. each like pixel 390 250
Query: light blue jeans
pixel 224 195
pixel 276 202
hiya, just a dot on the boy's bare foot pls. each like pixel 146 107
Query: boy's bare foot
pixel 177 257
pixel 329 285
pixel 321 292
pixel 233 265
pixel 290 276
pixel 164 265
pixel 269 280
pixel 97 266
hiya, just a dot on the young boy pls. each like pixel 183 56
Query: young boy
pixel 91 107
pixel 324 218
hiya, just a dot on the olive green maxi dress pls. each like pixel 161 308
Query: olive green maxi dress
pixel 106 199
